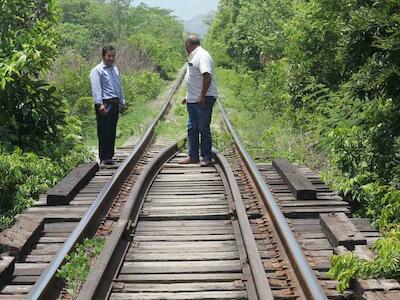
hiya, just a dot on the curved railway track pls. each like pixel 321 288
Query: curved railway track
pixel 230 231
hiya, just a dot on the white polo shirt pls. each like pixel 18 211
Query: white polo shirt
pixel 200 62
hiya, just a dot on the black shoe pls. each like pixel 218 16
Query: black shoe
pixel 109 162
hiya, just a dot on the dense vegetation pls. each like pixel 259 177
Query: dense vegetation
pixel 47 49
pixel 320 79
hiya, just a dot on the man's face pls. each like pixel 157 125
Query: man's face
pixel 109 58
pixel 189 48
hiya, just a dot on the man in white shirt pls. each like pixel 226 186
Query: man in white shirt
pixel 200 98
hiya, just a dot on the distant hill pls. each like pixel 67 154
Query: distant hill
pixel 198 24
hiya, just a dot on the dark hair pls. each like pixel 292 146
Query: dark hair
pixel 107 49
pixel 193 40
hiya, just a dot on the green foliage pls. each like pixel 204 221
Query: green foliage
pixel 161 53
pixel 141 87
pixel 347 267
pixel 87 25
pixel 222 139
pixel 329 73
pixel 70 73
pixel 30 112
pixel 174 127
pixel 24 177
pixel 242 32
pixel 326 75
pixel 78 264
pixel 149 47
pixel 44 131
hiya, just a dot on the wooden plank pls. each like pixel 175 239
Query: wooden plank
pixel 28 269
pixel 171 278
pixel 193 209
pixel 182 287
pixel 45 258
pixel 223 215
pixel 184 295
pixel 341 231
pixel 24 279
pixel 16 289
pixel 152 256
pixel 175 238
pixel 363 285
pixel 196 224
pixel 6 267
pixel 379 295
pixel 68 188
pixel 379 289
pixel 364 252
pixel 300 186
pixel 185 202
pixel 12 297
pixel 19 238
pixel 181 267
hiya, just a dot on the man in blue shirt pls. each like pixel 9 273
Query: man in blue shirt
pixel 108 99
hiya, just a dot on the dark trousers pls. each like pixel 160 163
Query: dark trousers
pixel 199 125
pixel 106 131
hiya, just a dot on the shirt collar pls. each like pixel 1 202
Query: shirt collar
pixel 193 53
pixel 105 66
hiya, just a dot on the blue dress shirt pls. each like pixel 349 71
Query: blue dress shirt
pixel 106 83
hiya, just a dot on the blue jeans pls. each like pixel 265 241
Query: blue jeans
pixel 199 124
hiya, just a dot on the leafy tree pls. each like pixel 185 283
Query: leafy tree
pixel 331 69
pixel 29 110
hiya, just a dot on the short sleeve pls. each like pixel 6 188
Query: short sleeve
pixel 205 64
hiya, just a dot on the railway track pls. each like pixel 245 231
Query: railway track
pixel 189 238
pixel 235 230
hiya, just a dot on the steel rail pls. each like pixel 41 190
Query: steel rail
pixel 312 288
pixel 94 287
pixel 88 223
pixel 260 279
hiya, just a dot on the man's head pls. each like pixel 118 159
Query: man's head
pixel 191 43
pixel 108 54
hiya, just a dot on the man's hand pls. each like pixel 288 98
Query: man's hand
pixel 121 108
pixel 206 84
pixel 102 110
pixel 203 102
pixel 184 101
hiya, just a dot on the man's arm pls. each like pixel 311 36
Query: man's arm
pixel 122 97
pixel 206 84
pixel 96 90
pixel 96 87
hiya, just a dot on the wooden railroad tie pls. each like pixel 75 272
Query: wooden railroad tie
pixel 341 231
pixel 297 182
pixel 64 191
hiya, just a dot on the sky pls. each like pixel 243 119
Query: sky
pixel 183 9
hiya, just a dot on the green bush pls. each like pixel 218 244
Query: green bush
pixel 24 177
pixel 347 267
pixel 141 87
pixel 326 75
pixel 30 112
pixel 161 52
